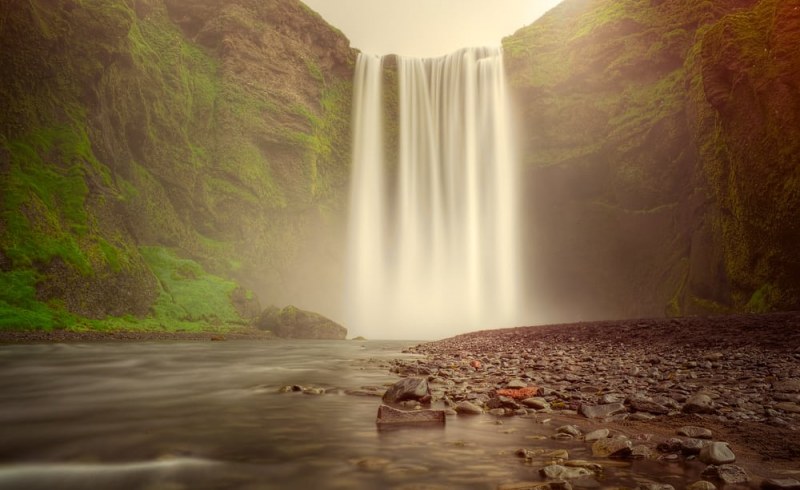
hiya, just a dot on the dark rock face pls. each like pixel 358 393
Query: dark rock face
pixel 653 157
pixel 294 323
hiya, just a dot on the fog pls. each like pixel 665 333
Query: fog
pixel 427 28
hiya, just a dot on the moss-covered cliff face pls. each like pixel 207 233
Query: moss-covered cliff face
pixel 137 134
pixel 660 151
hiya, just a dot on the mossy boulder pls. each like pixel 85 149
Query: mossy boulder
pixel 293 323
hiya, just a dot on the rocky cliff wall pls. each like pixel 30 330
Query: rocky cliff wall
pixel 138 135
pixel 659 145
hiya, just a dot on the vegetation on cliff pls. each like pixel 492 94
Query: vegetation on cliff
pixel 688 207
pixel 150 149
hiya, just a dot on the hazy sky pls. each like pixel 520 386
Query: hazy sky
pixel 428 28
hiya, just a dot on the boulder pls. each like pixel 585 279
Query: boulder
pixel 293 323
pixel 408 389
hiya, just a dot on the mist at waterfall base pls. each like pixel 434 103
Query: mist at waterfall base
pixel 433 238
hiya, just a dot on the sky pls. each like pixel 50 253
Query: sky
pixel 427 28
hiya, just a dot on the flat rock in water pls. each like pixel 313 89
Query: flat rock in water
pixel 612 448
pixel 558 472
pixel 389 416
pixel 602 411
pixel 695 432
pixel 535 485
pixel 407 389
pixel 717 453
pixel 727 473
pixel 780 484
pixel 596 435
pixel 702 485
pixel 468 408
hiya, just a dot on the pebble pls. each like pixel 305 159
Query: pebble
pixel 695 432
pixel 780 484
pixel 699 403
pixel 536 403
pixel 468 408
pixel 612 448
pixel 701 485
pixel 558 472
pixel 602 411
pixel 717 453
pixel 596 434
pixel 727 473
pixel 572 430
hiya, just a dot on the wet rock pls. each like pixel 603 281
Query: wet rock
pixel 536 403
pixel 671 445
pixel 787 386
pixel 655 486
pixel 617 447
pixel 701 485
pixel 558 472
pixel 726 473
pixel 699 403
pixel 646 405
pixel 516 384
pixel 602 411
pixel 641 452
pixel 468 408
pixel 717 453
pixel 499 412
pixel 314 391
pixel 579 463
pixel 572 430
pixel 502 402
pixel 390 416
pixel 291 389
pixel 780 484
pixel 535 485
pixel 596 434
pixel 407 389
pixel 693 446
pixel 695 432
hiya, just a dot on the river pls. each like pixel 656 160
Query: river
pixel 196 415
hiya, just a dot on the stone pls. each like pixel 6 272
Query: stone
pixel 390 416
pixel 780 484
pixel 612 448
pixel 788 407
pixel 693 446
pixel 535 485
pixel 695 432
pixel 717 453
pixel 519 393
pixel 699 403
pixel 580 463
pixel 596 434
pixel 727 473
pixel 558 472
pixel 502 402
pixel 572 430
pixel 407 389
pixel 536 403
pixel 787 385
pixel 651 485
pixel 701 485
pixel 468 408
pixel 641 452
pixel 516 384
pixel 602 411
pixel 649 406
pixel 293 323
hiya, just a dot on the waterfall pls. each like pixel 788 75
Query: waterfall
pixel 433 242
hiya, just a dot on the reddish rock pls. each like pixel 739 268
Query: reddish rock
pixel 519 393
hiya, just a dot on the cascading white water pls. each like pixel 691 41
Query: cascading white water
pixel 433 242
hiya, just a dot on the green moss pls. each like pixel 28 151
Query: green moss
pixel 188 293
pixel 19 308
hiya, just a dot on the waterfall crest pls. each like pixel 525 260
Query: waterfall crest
pixel 433 242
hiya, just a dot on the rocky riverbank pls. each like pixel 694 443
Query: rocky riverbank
pixel 723 391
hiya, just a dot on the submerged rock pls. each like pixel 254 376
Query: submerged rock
pixel 388 416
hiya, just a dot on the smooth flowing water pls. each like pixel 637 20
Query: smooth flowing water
pixel 198 415
pixel 433 236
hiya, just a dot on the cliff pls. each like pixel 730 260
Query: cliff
pixel 158 155
pixel 660 156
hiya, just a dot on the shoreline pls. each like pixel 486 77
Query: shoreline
pixel 649 370
pixel 17 337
